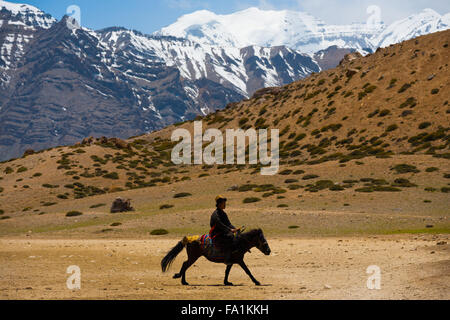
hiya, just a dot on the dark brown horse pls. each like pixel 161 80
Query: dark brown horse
pixel 195 250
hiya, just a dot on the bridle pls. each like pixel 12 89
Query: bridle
pixel 261 243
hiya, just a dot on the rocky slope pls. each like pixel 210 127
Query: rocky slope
pixel 58 86
pixel 372 133
pixel 61 85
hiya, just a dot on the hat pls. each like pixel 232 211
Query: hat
pixel 220 199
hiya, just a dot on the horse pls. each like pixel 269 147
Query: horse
pixel 199 246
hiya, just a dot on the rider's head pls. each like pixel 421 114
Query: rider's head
pixel 221 202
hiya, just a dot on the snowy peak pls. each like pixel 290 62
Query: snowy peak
pixel 244 28
pixel 267 28
pixel 425 22
pixel 17 7
pixel 24 14
pixel 298 30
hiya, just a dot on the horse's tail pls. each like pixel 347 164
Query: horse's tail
pixel 170 257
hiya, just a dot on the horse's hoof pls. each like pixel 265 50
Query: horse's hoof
pixel 185 283
pixel 229 284
pixel 177 276
pixel 257 283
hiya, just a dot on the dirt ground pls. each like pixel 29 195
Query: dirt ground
pixel 412 267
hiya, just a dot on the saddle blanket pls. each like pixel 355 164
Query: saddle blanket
pixel 211 251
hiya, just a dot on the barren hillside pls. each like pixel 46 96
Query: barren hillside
pixel 364 149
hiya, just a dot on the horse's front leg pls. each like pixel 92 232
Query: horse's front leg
pixel 247 271
pixel 227 273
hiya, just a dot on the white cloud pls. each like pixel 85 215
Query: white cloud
pixel 348 11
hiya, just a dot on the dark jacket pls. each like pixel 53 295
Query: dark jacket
pixel 221 226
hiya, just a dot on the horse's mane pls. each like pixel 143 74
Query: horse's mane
pixel 250 234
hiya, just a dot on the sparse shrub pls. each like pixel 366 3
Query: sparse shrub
pixel 243 121
pixel 50 186
pixel 337 188
pixel 111 175
pixel 407 113
pixel 8 170
pixel 293 227
pixel 431 169
pixel 49 204
pixel 424 125
pixel 384 112
pixel 391 128
pixel 165 206
pixel 182 195
pixel 411 102
pixel 405 87
pixel 22 169
pixel 404 183
pixel 246 187
pixel 310 177
pixel 73 214
pixel 251 200
pixel 37 174
pixel 286 172
pixel 392 83
pixel 405 168
pixel 159 232
pixel 373 114
pixel 435 91
pixel 282 206
pixel 97 205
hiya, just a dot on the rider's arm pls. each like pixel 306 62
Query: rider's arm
pixel 220 224
pixel 227 222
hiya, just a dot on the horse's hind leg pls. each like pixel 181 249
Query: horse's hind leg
pixel 193 256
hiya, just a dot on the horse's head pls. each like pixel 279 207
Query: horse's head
pixel 262 244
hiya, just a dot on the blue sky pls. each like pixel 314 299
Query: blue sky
pixel 150 15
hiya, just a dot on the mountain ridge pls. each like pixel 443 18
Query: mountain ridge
pixel 129 82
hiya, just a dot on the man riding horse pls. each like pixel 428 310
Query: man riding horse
pixel 224 244
pixel 222 231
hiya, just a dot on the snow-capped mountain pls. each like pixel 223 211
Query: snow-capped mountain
pixel 298 30
pixel 425 22
pixel 59 85
pixel 268 28
pixel 24 15
pixel 243 70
